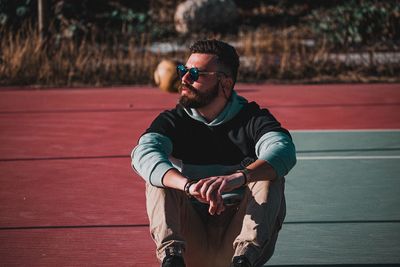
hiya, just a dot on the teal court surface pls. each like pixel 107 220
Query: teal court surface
pixel 343 200
pixel 68 196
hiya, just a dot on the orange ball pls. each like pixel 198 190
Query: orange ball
pixel 165 76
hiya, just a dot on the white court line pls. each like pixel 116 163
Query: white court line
pixel 345 131
pixel 346 157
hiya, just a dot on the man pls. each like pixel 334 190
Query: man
pixel 214 168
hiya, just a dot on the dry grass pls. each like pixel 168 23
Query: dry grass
pixel 27 60
pixel 292 55
pixel 266 55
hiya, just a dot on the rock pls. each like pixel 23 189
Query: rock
pixel 200 15
pixel 165 76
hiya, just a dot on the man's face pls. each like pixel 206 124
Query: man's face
pixel 200 93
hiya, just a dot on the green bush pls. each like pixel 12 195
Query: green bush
pixel 74 18
pixel 359 23
pixel 15 12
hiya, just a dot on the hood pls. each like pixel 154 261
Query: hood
pixel 232 108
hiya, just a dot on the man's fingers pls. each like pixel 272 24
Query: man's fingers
pixel 204 188
pixel 213 207
pixel 220 208
pixel 198 185
pixel 211 191
pixel 222 187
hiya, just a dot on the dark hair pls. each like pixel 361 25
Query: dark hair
pixel 226 53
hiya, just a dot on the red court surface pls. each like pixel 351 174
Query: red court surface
pixel 68 196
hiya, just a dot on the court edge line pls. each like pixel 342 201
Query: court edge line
pixel 147 225
pixel 65 158
pixel 38 111
pixel 29 112
pixel 73 226
pixel 330 151
pixel 346 157
pixel 127 156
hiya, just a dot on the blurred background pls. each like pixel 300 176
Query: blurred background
pixel 120 42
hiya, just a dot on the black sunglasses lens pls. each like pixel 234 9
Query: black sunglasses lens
pixel 194 74
pixel 181 70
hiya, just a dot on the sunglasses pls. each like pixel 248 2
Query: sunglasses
pixel 194 73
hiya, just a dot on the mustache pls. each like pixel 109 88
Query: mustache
pixel 187 86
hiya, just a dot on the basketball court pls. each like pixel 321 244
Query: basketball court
pixel 68 196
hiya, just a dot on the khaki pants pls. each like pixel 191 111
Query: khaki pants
pixel 249 228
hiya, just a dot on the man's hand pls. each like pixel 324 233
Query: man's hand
pixel 209 190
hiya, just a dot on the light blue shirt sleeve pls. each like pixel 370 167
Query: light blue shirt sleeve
pixel 150 158
pixel 278 150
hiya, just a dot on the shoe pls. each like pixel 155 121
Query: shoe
pixel 240 261
pixel 173 261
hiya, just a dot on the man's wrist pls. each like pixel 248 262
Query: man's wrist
pixel 246 173
pixel 186 188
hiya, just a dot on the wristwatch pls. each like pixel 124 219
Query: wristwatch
pixel 246 173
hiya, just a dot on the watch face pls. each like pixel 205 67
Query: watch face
pixel 246 162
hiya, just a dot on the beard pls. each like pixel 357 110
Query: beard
pixel 197 99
